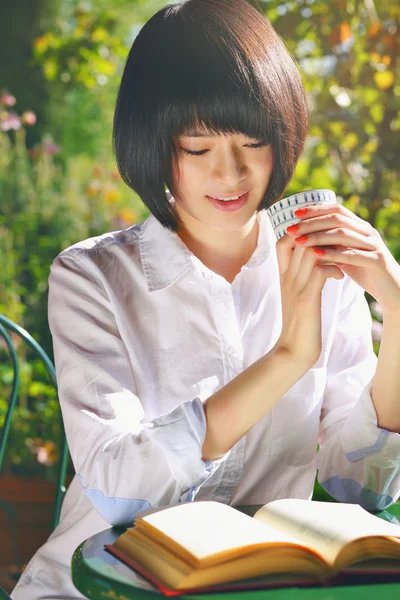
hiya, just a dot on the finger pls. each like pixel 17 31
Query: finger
pixel 301 257
pixel 332 221
pixel 351 256
pixel 340 236
pixel 329 209
pixel 284 250
pixel 302 267
pixel 318 279
pixel 319 276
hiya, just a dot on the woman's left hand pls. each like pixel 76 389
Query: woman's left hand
pixel 355 247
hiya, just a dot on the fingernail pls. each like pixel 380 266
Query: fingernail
pixel 301 239
pixel 292 229
pixel 319 251
pixel 300 212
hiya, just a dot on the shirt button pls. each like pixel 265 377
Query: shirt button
pixel 232 350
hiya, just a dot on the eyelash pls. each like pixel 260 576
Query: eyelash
pixel 201 152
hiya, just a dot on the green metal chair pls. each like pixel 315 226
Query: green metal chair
pixel 4 595
pixel 6 325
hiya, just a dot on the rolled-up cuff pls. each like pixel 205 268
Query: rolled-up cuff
pixel 361 437
pixel 181 434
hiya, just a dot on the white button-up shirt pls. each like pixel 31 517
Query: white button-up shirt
pixel 143 334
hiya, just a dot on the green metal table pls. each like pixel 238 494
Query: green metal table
pixel 99 575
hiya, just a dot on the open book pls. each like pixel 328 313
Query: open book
pixel 198 544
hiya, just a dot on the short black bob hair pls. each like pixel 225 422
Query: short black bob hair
pixel 216 65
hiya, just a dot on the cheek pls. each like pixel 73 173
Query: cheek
pixel 264 165
pixel 186 180
pixel 267 158
pixel 182 177
pixel 191 174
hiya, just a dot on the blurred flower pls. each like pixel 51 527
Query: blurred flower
pixel 375 56
pixel 374 29
pixel 28 117
pixel 51 148
pixel 93 188
pixel 97 171
pixel 34 152
pixel 341 33
pixel 377 309
pixel 47 454
pixel 41 43
pixel 111 194
pixel 7 100
pixel 384 79
pixel 127 216
pixel 11 121
pixel 376 331
pixel 99 34
pixel 47 147
pixel 115 175
pixel 45 451
pixel 388 41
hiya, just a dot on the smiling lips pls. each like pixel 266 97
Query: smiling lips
pixel 227 204
pixel 227 197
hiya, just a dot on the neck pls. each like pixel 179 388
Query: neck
pixel 224 252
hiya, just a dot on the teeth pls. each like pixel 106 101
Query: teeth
pixel 229 199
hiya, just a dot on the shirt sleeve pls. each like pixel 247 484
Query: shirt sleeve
pixel 125 464
pixel 358 462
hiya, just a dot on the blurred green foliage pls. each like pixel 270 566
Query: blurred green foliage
pixel 45 208
pixel 65 188
pixel 34 441
pixel 348 55
pixel 82 57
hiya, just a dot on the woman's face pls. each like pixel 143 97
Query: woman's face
pixel 227 165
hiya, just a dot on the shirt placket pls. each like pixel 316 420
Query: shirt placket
pixel 232 359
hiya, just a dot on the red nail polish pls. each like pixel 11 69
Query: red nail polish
pixel 300 212
pixel 292 228
pixel 301 239
pixel 319 251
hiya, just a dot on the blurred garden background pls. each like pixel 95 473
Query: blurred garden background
pixel 60 67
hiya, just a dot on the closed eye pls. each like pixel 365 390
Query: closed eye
pixel 201 152
pixel 198 153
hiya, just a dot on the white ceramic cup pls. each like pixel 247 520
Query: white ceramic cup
pixel 282 214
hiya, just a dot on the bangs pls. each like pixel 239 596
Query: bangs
pixel 221 114
pixel 205 67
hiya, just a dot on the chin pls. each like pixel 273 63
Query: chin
pixel 232 224
pixel 218 220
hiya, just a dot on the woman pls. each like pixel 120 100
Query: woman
pixel 198 358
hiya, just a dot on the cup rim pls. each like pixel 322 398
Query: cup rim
pixel 279 212
pixel 302 192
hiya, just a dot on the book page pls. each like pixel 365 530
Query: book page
pixel 325 527
pixel 207 528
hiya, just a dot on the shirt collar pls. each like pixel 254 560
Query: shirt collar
pixel 165 258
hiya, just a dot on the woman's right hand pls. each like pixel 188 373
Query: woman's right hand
pixel 302 279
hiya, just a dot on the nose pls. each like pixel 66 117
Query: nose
pixel 229 167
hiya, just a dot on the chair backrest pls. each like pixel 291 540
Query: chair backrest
pixel 4 595
pixel 7 325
